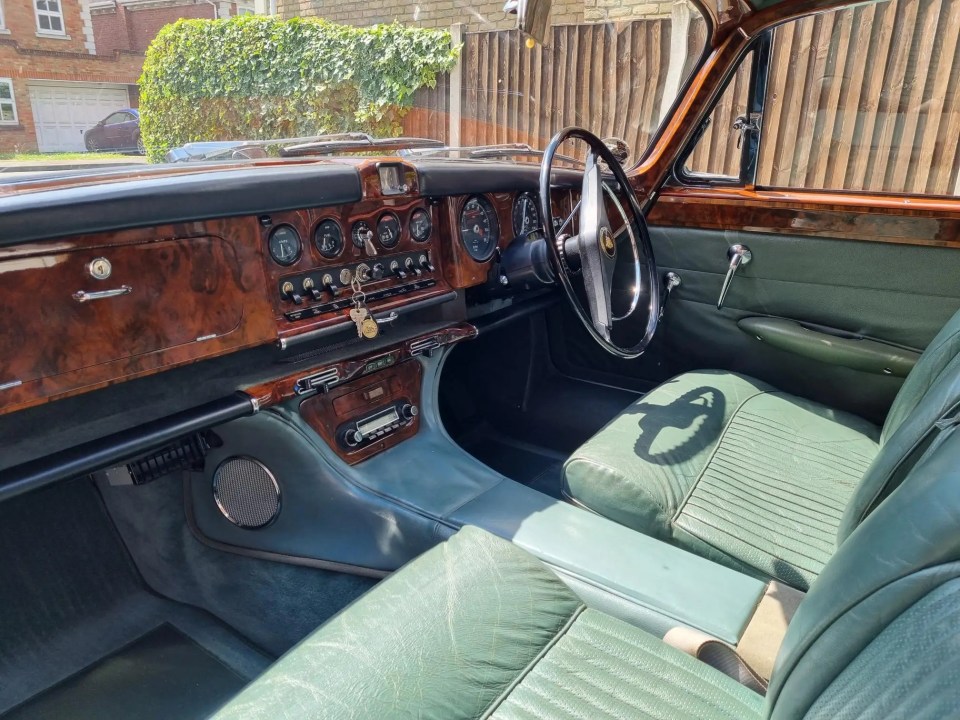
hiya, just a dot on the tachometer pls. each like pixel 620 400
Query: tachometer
pixel 526 215
pixel 388 230
pixel 479 228
pixel 328 237
pixel 284 245
pixel 420 225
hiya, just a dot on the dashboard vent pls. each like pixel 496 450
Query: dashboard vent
pixel 318 381
pixel 424 346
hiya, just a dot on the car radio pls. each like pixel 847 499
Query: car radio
pixel 359 432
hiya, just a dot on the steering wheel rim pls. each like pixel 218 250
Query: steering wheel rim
pixel 596 246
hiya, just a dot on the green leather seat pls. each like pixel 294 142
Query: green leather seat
pixel 477 628
pixel 763 481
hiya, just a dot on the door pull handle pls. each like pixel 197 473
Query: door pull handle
pixel 737 255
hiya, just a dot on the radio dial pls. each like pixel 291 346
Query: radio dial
pixel 409 412
pixel 353 438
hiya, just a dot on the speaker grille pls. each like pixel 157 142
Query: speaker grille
pixel 246 492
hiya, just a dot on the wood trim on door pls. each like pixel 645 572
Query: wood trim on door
pixel 853 216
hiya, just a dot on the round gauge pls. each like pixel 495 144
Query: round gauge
pixel 526 215
pixel 479 228
pixel 328 238
pixel 284 244
pixel 360 232
pixel 420 225
pixel 388 230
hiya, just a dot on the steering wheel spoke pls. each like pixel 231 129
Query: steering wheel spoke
pixel 595 246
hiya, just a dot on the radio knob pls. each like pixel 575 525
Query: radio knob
pixel 353 438
pixel 409 412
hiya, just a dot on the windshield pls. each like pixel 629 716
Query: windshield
pixel 253 79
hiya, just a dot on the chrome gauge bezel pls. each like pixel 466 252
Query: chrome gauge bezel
pixel 299 243
pixel 426 214
pixel 534 203
pixel 494 221
pixel 379 237
pixel 316 238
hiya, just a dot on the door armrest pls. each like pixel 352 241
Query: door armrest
pixel 830 346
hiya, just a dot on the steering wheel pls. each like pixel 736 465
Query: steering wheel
pixel 620 280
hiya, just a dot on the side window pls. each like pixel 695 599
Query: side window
pixel 716 154
pixel 116 118
pixel 8 104
pixel 865 99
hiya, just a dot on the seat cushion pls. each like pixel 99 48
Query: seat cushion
pixel 478 628
pixel 731 468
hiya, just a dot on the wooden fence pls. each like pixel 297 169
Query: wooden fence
pixel 610 79
pixel 863 99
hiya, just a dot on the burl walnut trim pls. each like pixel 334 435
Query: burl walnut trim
pixel 852 216
pixel 327 411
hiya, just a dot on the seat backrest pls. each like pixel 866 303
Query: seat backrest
pixel 937 358
pixel 931 390
pixel 878 634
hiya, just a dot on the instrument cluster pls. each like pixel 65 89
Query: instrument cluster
pixel 286 246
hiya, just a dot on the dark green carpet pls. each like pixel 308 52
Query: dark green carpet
pixel 160 676
pixel 535 467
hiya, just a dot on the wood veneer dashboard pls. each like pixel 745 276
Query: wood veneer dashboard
pixel 116 276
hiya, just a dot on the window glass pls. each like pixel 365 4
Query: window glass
pixel 8 106
pixel 717 152
pixel 3 23
pixel 866 99
pixel 49 16
pixel 117 117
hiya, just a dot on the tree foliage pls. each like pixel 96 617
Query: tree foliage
pixel 252 77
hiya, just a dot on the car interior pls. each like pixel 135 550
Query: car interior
pixel 408 435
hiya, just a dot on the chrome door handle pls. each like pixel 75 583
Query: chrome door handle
pixel 82 296
pixel 737 255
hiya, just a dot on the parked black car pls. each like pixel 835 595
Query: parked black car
pixel 120 130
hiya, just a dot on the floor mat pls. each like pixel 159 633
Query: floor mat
pixel 70 597
pixel 536 467
pixel 162 675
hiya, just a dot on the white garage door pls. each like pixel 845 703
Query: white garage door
pixel 62 112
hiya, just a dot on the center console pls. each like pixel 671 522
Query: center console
pixel 369 415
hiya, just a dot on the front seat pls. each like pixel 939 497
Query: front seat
pixel 477 628
pixel 765 482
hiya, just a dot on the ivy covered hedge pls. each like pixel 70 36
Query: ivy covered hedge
pixel 252 77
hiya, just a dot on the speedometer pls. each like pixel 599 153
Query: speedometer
pixel 526 216
pixel 479 228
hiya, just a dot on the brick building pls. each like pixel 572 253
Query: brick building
pixel 67 64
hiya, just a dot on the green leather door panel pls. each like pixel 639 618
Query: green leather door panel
pixel 897 294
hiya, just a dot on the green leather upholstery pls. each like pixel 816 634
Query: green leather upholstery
pixel 478 628
pixel 763 481
pixel 730 468
pixel 897 571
